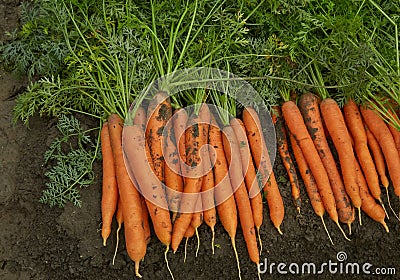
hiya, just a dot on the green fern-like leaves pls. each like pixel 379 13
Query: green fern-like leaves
pixel 73 154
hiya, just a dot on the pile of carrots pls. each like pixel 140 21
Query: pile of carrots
pixel 173 171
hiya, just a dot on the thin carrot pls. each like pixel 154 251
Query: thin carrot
pixel 298 129
pixel 197 221
pixel 356 127
pixel 334 121
pixel 249 173
pixel 377 154
pixel 158 113
pixel 192 180
pixel 309 182
pixel 368 205
pixel 393 130
pixel 386 141
pixel 232 154
pixel 261 158
pixel 189 233
pixel 129 195
pixel 284 153
pixel 224 199
pixel 109 191
pixel 308 105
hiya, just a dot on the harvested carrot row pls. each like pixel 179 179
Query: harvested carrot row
pixel 309 182
pixel 298 129
pixel 284 153
pixel 232 153
pixel 224 199
pixel 129 195
pixel 261 158
pixel 249 173
pixel 308 105
pixel 378 157
pixel 356 127
pixel 369 206
pixel 109 195
pixel 334 120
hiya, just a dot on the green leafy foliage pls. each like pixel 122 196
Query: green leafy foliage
pixel 73 154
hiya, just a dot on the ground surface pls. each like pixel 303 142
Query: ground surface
pixel 38 242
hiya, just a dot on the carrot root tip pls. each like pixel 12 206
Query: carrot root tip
pixel 326 230
pixel 198 242
pixel 137 269
pixel 212 240
pixel 167 263
pixel 237 257
pixel 344 234
pixel 185 254
pixel 259 239
pixel 384 208
pixel 279 230
pixel 359 215
pixel 385 226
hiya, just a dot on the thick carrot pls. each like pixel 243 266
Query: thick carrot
pixel 309 182
pixel 232 153
pixel 140 164
pixel 130 198
pixel 298 129
pixel 158 113
pixel 284 153
pixel 224 199
pixel 180 119
pixel 140 117
pixel 334 121
pixel 356 127
pixel 385 139
pixel 261 158
pixel 378 158
pixel 308 105
pixel 109 191
pixel 249 173
pixel 192 180
pixel 368 205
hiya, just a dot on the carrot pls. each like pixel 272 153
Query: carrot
pixel 298 129
pixel 393 130
pixel 120 220
pixel 130 198
pixel 249 173
pixel 192 181
pixel 197 220
pixel 172 171
pixel 308 105
pixel 386 141
pixel 180 119
pixel 109 195
pixel 356 127
pixel 189 233
pixel 283 150
pixel 309 183
pixel 224 199
pixel 334 121
pixel 261 158
pixel 378 157
pixel 232 153
pixel 368 205
pixel 140 117
pixel 158 113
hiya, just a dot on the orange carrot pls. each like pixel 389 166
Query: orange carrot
pixel 298 129
pixel 261 158
pixel 197 221
pixel 232 153
pixel 224 199
pixel 308 105
pixel 368 205
pixel 179 120
pixel 249 173
pixel 129 195
pixel 309 182
pixel 334 121
pixel 356 127
pixel 385 139
pixel 377 156
pixel 158 113
pixel 140 117
pixel 109 195
pixel 284 153
pixel 192 181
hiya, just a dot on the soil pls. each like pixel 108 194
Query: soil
pixel 38 242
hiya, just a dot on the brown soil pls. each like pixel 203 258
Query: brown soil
pixel 38 242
